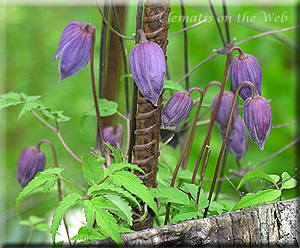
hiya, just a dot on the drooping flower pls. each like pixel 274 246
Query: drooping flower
pixel 74 48
pixel 245 68
pixel 238 144
pixel 176 109
pixel 113 135
pixel 223 113
pixel 31 161
pixel 258 119
pixel 148 67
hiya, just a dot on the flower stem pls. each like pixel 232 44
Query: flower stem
pixel 254 92
pixel 58 134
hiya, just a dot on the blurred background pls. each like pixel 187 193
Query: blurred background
pixel 29 39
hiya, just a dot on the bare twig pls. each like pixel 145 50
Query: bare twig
pixel 187 28
pixel 285 124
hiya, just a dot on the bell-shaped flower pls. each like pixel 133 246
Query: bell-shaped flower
pixel 176 109
pixel 113 135
pixel 74 48
pixel 258 119
pixel 148 67
pixel 245 68
pixel 31 161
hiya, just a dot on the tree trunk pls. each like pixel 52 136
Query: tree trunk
pixel 275 224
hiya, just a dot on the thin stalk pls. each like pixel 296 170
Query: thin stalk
pixel 99 122
pixel 226 21
pixel 221 173
pixel 74 185
pixel 190 135
pixel 254 93
pixel 59 136
pixel 217 23
pixel 185 44
pixel 207 153
pixel 187 28
pixel 216 109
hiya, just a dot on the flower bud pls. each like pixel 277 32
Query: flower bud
pixel 238 144
pixel 148 67
pixel 176 109
pixel 245 68
pixel 74 48
pixel 31 161
pixel 113 135
pixel 223 114
pixel 258 119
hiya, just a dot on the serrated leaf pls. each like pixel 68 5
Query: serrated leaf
pixel 171 85
pixel 186 213
pixel 107 188
pixel 121 166
pixel 123 206
pixel 134 186
pixel 36 182
pixel 55 115
pixel 107 223
pixel 89 214
pixel 92 170
pixel 193 190
pixel 48 185
pixel 288 184
pixel 117 155
pixel 10 99
pixel 85 234
pixel 255 175
pixel 63 206
pixel 170 194
pixel 29 98
pixel 125 230
pixel 28 106
pixel 258 198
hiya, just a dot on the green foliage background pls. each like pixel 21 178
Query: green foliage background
pixel 29 42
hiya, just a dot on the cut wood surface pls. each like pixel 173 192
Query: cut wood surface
pixel 274 224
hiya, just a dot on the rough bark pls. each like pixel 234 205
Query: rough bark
pixel 275 225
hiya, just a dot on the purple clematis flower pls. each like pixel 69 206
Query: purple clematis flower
pixel 74 48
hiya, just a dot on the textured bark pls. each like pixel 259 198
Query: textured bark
pixel 270 225
pixel 148 117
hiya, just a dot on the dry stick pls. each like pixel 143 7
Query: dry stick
pixel 187 28
pixel 186 67
pixel 58 134
pixel 226 22
pixel 95 93
pixel 293 142
pixel 217 23
pixel 216 109
pixel 188 140
pixel 58 181
pixel 124 57
pixel 139 16
pixel 254 93
pixel 266 33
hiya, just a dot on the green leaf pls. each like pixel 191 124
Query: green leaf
pixel 29 98
pixel 193 190
pixel 63 206
pixel 10 99
pixel 107 222
pixel 85 234
pixel 107 188
pixel 92 170
pixel 134 186
pixel 55 115
pixel 125 76
pixel 121 166
pixel 275 178
pixel 32 105
pixel 171 85
pixel 186 213
pixel 288 184
pixel 170 194
pixel 36 182
pixel 89 214
pixel 255 175
pixel 48 185
pixel 125 230
pixel 42 227
pixel 116 153
pixel 106 108
pixel 258 198
pixel 123 206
